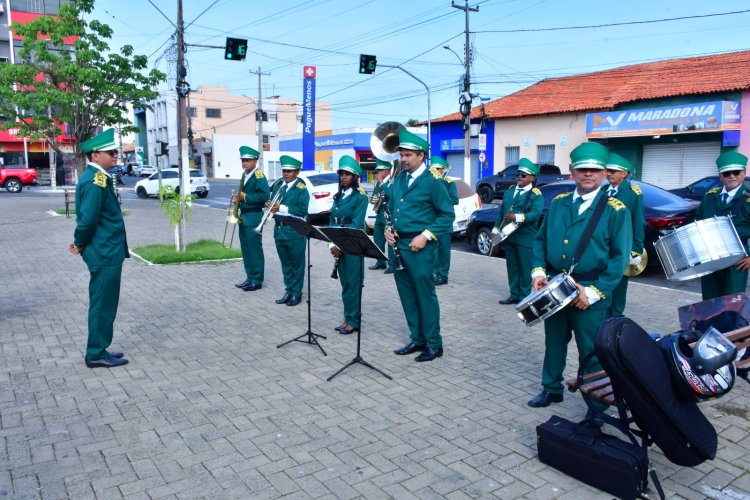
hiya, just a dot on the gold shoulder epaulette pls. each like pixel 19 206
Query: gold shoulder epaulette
pixel 714 190
pixel 636 189
pixel 301 185
pixel 100 179
pixel 361 191
pixel 259 174
pixel 435 173
pixel 448 180
pixel 615 203
pixel 536 191
pixel 561 195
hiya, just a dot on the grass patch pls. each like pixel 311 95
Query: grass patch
pixel 196 252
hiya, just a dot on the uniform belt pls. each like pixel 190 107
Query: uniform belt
pixel 342 220
pixel 250 210
pixel 407 236
pixel 589 276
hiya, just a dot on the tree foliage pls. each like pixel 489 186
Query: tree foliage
pixel 67 75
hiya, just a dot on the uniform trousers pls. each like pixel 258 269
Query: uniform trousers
pixel 104 297
pixel 619 296
pixel 251 244
pixel 351 268
pixel 518 264
pixel 443 261
pixel 292 256
pixel 724 282
pixel 378 234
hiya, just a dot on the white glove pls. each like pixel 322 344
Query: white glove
pixel 635 260
pixel 495 230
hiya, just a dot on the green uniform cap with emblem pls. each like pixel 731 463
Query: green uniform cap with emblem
pixel 407 140
pixel 589 155
pixel 289 163
pixel 246 152
pixel 617 162
pixel 382 165
pixel 528 166
pixel 102 142
pixel 439 162
pixel 731 160
pixel 349 164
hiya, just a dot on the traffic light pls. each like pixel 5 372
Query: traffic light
pixel 235 49
pixel 367 64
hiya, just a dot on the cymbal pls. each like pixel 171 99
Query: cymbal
pixel 635 270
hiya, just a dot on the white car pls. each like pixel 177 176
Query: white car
pixel 147 170
pixel 171 177
pixel 468 201
pixel 322 186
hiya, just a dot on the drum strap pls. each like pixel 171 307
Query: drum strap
pixel 590 228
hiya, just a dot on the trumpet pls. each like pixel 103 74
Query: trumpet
pixel 268 213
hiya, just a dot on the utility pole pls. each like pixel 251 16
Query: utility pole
pixel 182 90
pixel 259 115
pixel 467 92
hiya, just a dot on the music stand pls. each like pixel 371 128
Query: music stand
pixel 353 241
pixel 309 231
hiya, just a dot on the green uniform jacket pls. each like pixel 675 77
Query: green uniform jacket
pixel 607 253
pixel 297 200
pixel 100 229
pixel 711 205
pixel 452 190
pixel 256 194
pixel 632 197
pixel 350 211
pixel 381 187
pixel 524 235
pixel 427 206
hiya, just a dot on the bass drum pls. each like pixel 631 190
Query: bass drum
pixel 540 305
pixel 700 248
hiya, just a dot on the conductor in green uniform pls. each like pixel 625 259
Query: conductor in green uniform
pixel 100 239
pixel 443 261
pixel 290 245
pixel 618 170
pixel 252 198
pixel 348 210
pixel 597 272
pixel 421 213
pixel 380 191
pixel 733 198
pixel 522 206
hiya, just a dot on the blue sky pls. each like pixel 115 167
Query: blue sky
pixel 285 35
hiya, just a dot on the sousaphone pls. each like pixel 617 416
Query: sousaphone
pixel 384 141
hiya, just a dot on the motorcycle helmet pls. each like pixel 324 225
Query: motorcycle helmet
pixel 704 370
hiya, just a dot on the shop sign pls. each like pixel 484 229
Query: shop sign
pixel 698 117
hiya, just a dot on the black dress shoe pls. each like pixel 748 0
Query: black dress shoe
pixel 388 271
pixel 252 287
pixel 545 399
pixel 243 284
pixel 440 281
pixel 509 300
pixel 345 331
pixel 409 348
pixel 293 300
pixel 106 362
pixel 283 299
pixel 116 355
pixel 429 354
pixel 375 266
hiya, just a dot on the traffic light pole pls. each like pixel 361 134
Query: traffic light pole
pixel 467 92
pixel 429 110
pixel 259 115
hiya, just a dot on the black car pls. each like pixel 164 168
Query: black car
pixel 663 211
pixel 494 186
pixel 696 190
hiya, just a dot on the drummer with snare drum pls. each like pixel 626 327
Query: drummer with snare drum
pixel 604 255
pixel 732 199
pixel 522 206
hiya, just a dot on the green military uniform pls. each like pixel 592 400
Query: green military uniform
pixel 290 245
pixel 100 233
pixel 600 267
pixel 632 197
pixel 255 187
pixel 378 230
pixel 443 260
pixel 423 205
pixel 730 280
pixel 349 210
pixel 519 244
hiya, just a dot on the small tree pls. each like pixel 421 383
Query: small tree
pixel 68 77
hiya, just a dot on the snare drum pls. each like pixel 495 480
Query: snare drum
pixel 700 248
pixel 506 231
pixel 540 305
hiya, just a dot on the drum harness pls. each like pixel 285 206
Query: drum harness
pixel 523 205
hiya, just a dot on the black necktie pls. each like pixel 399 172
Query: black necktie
pixel 724 199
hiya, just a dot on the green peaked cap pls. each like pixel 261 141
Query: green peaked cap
pixel 102 142
pixel 407 140
pixel 248 152
pixel 731 160
pixel 289 163
pixel 528 166
pixel 617 162
pixel 438 162
pixel 589 155
pixel 382 165
pixel 349 164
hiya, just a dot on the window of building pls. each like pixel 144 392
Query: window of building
pixel 273 117
pixel 545 154
pixel 213 113
pixel 192 112
pixel 512 155
pixel 265 139
pixel 36 6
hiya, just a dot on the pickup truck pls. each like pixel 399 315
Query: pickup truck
pixel 15 178
pixel 494 186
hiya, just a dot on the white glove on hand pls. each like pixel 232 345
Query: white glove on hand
pixel 495 230
pixel 635 260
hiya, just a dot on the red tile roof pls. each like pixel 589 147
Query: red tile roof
pixel 605 90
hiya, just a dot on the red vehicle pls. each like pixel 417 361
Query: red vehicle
pixel 15 178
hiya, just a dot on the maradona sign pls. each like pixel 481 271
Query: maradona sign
pixel 698 117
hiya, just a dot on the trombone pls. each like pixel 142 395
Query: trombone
pixel 268 213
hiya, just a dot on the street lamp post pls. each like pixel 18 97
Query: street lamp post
pixel 429 111
pixel 465 108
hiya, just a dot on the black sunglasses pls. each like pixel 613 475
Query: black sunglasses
pixel 731 172
pixel 522 175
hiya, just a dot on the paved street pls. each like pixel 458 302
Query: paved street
pixel 209 407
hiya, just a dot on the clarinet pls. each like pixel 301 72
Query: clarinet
pixel 389 226
pixel 335 273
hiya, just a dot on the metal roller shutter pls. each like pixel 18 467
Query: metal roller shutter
pixel 671 166
pixel 456 161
